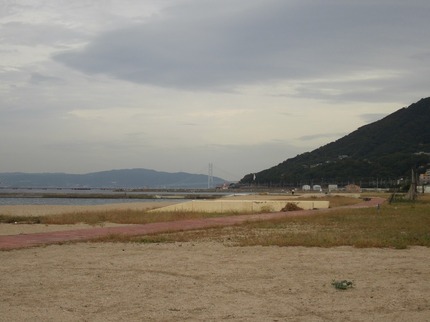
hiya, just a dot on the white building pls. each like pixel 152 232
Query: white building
pixel 332 187
pixel 425 177
pixel 316 187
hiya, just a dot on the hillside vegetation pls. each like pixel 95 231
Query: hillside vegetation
pixel 379 153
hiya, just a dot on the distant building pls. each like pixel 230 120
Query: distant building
pixel 316 187
pixel 425 177
pixel 423 189
pixel 306 187
pixel 332 187
pixel 225 186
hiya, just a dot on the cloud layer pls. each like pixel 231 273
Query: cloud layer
pixel 334 45
pixel 175 84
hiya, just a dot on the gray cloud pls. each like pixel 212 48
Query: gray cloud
pixel 385 88
pixel 37 78
pixel 321 135
pixel 194 47
pixel 37 34
pixel 372 117
pixel 275 64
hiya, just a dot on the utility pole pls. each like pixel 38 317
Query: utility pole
pixel 412 193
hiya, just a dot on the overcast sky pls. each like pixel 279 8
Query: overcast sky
pixel 173 85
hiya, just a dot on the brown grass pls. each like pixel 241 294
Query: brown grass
pixel 397 226
pixel 138 217
pixel 112 216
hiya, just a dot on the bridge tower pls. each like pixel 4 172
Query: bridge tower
pixel 210 175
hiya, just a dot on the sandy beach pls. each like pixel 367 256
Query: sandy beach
pixel 211 281
pixel 43 210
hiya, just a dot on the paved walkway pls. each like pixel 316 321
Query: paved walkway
pixel 29 240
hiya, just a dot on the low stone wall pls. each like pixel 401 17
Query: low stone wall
pixel 241 205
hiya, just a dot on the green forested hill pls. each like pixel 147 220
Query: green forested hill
pixel 380 152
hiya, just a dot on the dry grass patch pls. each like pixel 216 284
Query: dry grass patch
pixel 340 201
pixel 127 216
pixel 8 219
pixel 397 226
pixel 120 238
pixel 394 226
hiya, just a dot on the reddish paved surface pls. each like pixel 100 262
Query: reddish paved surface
pixel 28 240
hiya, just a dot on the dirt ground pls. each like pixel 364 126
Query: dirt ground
pixel 210 281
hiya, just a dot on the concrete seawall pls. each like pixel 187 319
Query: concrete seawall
pixel 242 205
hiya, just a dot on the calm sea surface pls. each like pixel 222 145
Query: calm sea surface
pixel 70 201
pixel 34 196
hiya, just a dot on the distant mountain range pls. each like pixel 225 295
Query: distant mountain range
pixel 382 152
pixel 125 178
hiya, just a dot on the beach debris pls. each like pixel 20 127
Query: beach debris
pixel 342 285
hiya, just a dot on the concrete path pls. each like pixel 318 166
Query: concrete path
pixel 29 240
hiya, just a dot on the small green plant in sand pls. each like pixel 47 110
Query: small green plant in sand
pixel 342 285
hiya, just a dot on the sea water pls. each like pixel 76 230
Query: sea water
pixel 34 196
pixel 70 201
